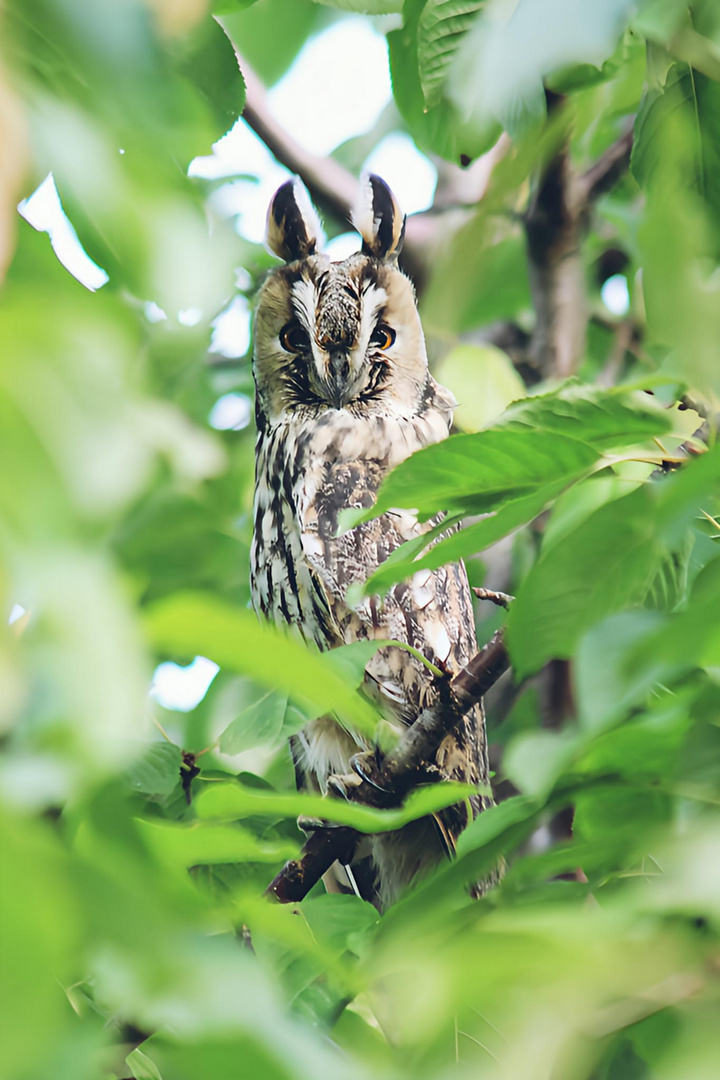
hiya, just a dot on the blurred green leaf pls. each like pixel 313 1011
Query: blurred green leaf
pixel 484 382
pixel 207 60
pixel 194 624
pixel 502 61
pixel 535 760
pixel 694 95
pixel 367 7
pixel 270 33
pixel 260 724
pixel 230 802
pixel 157 772
pixel 478 279
pixel 337 920
pixel 623 545
pixel 141 1066
pixel 560 598
pixel 196 844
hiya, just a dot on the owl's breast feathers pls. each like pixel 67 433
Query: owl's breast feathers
pixel 308 471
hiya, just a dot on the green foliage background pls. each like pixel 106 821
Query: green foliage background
pixel 124 532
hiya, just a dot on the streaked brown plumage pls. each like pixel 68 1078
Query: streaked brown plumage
pixel 343 395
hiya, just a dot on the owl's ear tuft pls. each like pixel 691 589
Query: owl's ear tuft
pixel 378 218
pixel 292 230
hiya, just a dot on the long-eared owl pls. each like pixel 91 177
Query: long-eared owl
pixel 343 395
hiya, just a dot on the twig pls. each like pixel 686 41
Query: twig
pixel 501 599
pixel 387 783
pixel 607 170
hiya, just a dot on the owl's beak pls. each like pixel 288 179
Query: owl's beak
pixel 338 380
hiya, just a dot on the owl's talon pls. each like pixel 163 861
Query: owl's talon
pixel 313 825
pixel 364 765
pixel 341 786
pixel 309 824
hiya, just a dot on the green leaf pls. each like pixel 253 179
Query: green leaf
pixel 622 546
pixel 477 279
pixel 227 7
pixel 141 1066
pixel 260 724
pixel 208 61
pixel 404 560
pixel 183 845
pixel 604 565
pixel 503 60
pixel 535 760
pixel 484 382
pixel 157 772
pixel 606 684
pixel 695 98
pixel 366 7
pixel 192 624
pixel 335 919
pixel 441 27
pixel 480 473
pixel 439 129
pixel 270 33
pixel 536 441
pixel 229 802
pixel 596 421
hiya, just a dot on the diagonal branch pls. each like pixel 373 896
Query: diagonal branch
pixel 333 188
pixel 607 170
pixel 387 783
pixel 331 185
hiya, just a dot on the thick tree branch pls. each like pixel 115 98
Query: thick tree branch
pixel 386 783
pixel 555 223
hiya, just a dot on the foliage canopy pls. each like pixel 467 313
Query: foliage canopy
pixel 128 881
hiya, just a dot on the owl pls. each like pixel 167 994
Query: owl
pixel 343 394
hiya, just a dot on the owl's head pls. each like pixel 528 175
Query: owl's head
pixel 337 335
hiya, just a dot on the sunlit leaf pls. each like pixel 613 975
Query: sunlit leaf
pixel 484 382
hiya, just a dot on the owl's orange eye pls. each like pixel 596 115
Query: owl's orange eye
pixel 293 338
pixel 383 336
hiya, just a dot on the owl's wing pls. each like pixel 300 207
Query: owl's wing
pixel 432 611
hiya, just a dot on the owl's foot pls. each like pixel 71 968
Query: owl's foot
pixel 342 787
pixel 312 825
pixel 366 768
pixel 309 824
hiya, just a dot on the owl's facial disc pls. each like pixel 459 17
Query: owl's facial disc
pixel 337 332
pixel 333 372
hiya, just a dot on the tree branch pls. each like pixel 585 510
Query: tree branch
pixel 607 170
pixel 333 188
pixel 386 783
pixel 331 185
pixel 555 222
